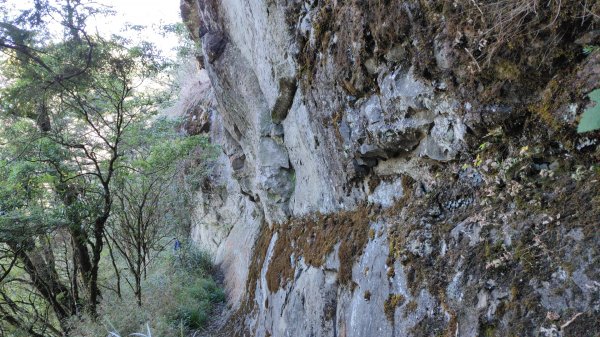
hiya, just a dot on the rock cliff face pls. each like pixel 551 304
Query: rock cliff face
pixel 400 168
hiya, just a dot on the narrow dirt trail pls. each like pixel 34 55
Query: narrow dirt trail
pixel 218 317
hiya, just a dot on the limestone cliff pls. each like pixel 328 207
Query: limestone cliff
pixel 400 168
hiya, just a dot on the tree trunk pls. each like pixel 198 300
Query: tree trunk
pixel 114 264
pixel 49 287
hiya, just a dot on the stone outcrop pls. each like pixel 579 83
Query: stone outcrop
pixel 384 176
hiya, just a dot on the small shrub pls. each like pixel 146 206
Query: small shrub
pixel 179 295
pixel 193 260
pixel 195 298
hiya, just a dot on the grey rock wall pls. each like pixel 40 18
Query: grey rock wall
pixel 455 245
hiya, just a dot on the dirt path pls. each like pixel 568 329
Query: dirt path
pixel 218 317
pixel 217 320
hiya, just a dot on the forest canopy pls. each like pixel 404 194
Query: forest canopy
pixel 94 184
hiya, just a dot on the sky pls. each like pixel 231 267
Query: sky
pixel 150 13
pixel 145 12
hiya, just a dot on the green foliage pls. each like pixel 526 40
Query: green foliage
pixel 157 147
pixel 177 297
pixel 158 167
pixel 196 292
pixel 588 49
pixel 590 120
pixel 195 300
pixel 186 47
pixel 80 149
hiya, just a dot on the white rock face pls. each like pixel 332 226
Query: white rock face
pixel 272 171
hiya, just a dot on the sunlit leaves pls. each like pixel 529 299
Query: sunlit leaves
pixel 590 120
